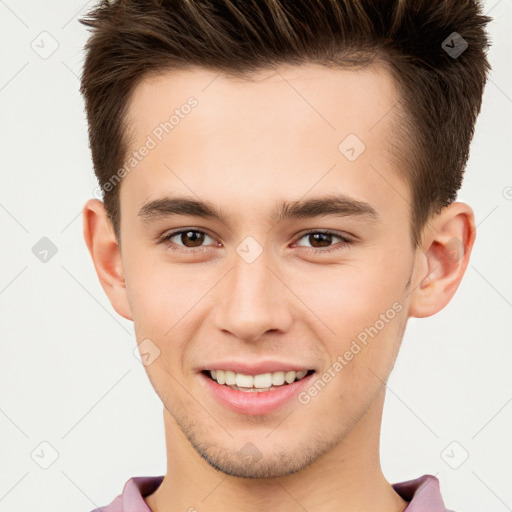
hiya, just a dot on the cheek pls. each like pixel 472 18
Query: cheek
pixel 362 311
pixel 352 296
pixel 160 293
pixel 362 356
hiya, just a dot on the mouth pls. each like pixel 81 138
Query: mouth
pixel 255 387
pixel 259 383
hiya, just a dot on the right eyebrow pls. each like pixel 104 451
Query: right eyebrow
pixel 168 206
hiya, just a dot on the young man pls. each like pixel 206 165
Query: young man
pixel 279 183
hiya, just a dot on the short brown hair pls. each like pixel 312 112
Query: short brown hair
pixel 440 93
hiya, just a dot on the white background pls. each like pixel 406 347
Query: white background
pixel 67 370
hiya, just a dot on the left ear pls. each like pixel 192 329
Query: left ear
pixel 443 259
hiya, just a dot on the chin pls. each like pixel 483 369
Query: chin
pixel 253 460
pixel 273 466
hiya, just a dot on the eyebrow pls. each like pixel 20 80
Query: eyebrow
pixel 338 205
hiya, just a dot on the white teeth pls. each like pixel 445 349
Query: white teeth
pixel 261 381
pixel 244 381
pixel 277 378
pixel 289 377
pixel 230 377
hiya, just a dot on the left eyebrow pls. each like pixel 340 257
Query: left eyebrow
pixel 338 205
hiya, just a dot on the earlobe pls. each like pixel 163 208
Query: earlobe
pixel 443 259
pixel 105 253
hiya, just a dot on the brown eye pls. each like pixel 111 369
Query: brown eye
pixel 186 239
pixel 192 238
pixel 324 241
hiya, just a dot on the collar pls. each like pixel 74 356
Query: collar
pixel 423 494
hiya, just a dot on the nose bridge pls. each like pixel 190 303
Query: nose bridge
pixel 254 299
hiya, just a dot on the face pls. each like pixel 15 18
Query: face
pixel 265 231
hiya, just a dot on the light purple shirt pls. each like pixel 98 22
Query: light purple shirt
pixel 423 495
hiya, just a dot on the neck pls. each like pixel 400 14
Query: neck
pixel 346 478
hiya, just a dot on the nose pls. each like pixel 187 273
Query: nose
pixel 253 300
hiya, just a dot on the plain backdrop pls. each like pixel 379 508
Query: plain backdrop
pixel 75 399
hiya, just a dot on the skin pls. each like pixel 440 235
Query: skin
pixel 247 146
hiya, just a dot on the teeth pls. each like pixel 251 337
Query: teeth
pixel 290 377
pixel 230 378
pixel 261 381
pixel 244 381
pixel 277 378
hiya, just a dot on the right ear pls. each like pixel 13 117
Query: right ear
pixel 106 255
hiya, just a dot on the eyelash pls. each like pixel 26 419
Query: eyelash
pixel 177 248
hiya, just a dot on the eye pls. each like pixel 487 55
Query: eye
pixel 324 239
pixel 187 238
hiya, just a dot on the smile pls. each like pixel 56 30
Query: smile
pixel 258 394
pixel 256 383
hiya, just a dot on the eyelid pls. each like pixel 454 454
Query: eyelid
pixel 343 236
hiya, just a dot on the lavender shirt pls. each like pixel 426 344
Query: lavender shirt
pixel 423 495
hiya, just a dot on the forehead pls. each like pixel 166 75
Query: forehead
pixel 274 98
pixel 283 130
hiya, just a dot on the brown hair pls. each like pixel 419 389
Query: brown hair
pixel 440 93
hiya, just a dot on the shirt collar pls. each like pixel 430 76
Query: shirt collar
pixel 423 493
pixel 134 491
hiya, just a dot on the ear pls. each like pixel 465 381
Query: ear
pixel 442 259
pixel 106 255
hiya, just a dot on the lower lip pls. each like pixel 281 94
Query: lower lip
pixel 254 403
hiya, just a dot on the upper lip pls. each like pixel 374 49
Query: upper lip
pixel 255 368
